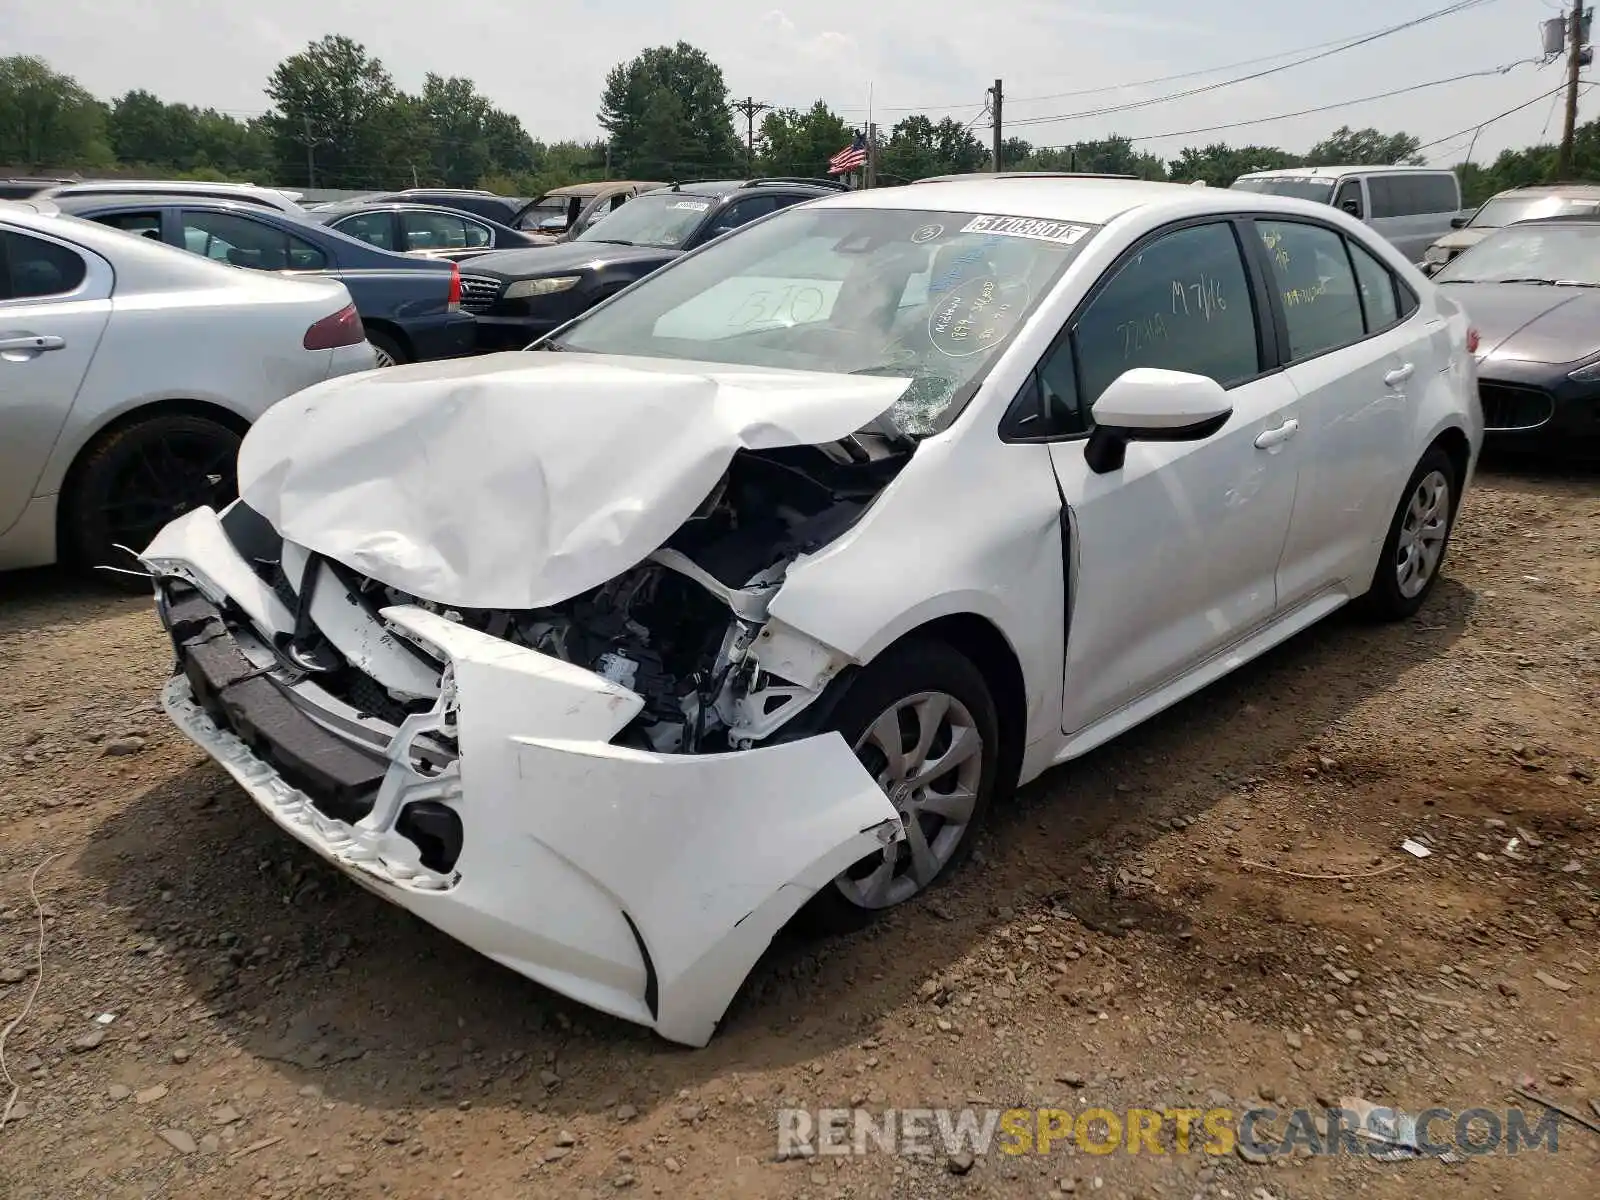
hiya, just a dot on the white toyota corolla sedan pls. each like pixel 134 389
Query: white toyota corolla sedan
pixel 754 588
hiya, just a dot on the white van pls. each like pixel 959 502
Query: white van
pixel 1410 206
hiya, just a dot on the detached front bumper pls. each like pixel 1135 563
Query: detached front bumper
pixel 644 885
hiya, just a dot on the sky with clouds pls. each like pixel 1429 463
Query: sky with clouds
pixel 547 62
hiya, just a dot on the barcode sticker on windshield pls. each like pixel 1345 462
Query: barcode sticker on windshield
pixel 692 205
pixel 1027 227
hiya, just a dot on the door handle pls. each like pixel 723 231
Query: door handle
pixel 1399 375
pixel 47 341
pixel 1278 436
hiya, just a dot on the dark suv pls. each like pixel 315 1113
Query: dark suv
pixel 541 288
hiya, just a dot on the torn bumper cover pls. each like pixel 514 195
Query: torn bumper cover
pixel 644 885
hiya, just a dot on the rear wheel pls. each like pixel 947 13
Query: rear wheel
pixel 139 478
pixel 1419 535
pixel 923 723
pixel 387 349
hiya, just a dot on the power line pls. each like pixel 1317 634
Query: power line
pixel 1450 137
pixel 1460 6
pixel 1321 108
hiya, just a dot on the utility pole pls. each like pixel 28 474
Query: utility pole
pixel 750 108
pixel 1574 56
pixel 996 95
pixel 870 174
pixel 311 144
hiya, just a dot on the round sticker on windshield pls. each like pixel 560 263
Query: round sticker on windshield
pixel 976 315
pixel 926 233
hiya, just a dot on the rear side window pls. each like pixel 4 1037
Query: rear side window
pixel 145 224
pixel 1378 290
pixel 1316 284
pixel 35 268
pixel 1412 195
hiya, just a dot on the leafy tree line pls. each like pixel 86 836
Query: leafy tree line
pixel 337 119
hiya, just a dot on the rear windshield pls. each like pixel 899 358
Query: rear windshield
pixel 1508 210
pixel 1301 187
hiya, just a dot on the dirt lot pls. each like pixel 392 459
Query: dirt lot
pixel 1153 927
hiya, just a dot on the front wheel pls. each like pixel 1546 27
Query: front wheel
pixel 923 723
pixel 1419 535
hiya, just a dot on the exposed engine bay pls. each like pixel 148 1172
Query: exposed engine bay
pixel 677 627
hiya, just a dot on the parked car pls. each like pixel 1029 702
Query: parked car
pixel 412 309
pixel 1508 208
pixel 242 193
pixel 538 289
pixel 561 214
pixel 128 373
pixel 1410 206
pixel 968 175
pixel 791 561
pixel 422 231
pixel 20 187
pixel 477 202
pixel 1533 290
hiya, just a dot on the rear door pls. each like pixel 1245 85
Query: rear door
pixel 55 299
pixel 244 241
pixel 1357 352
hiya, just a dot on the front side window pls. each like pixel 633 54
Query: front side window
pixel 141 224
pixel 662 219
pixel 36 268
pixel 929 296
pixel 740 213
pixel 375 229
pixel 1181 304
pixel 254 245
pixel 1312 273
pixel 1348 198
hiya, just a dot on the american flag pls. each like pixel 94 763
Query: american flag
pixel 852 156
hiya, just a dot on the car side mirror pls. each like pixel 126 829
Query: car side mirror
pixel 1353 207
pixel 1459 222
pixel 1147 404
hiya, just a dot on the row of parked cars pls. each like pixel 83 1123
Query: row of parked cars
pixel 783 556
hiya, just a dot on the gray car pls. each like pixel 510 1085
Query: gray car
pixel 1533 293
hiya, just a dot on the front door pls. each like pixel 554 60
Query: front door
pixel 1176 551
pixel 55 299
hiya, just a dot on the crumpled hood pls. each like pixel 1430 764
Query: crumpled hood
pixel 519 480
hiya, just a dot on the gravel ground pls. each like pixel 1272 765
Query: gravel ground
pixel 1155 926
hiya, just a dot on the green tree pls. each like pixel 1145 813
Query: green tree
pixel 339 103
pixel 1220 164
pixel 47 119
pixel 1017 155
pixel 511 150
pixel 1364 147
pixel 801 143
pixel 918 148
pixel 666 113
pixel 1114 155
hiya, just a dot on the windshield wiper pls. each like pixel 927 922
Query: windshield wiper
pixel 1575 283
pixel 610 241
pixel 1526 279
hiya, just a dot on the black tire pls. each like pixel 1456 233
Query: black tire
pixel 1386 599
pixel 905 671
pixel 387 346
pixel 135 480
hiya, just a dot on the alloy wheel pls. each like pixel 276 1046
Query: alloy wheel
pixel 926 752
pixel 1422 534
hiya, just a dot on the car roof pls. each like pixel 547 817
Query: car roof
pixel 604 186
pixel 1022 175
pixel 352 208
pixel 726 187
pixel 1090 201
pixel 1330 172
pixel 1585 190
pixel 182 187
pixel 113 201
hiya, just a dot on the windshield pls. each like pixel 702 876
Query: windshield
pixel 1530 254
pixel 1302 187
pixel 1509 210
pixel 661 219
pixel 929 296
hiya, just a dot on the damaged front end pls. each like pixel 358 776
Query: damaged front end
pixel 606 793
